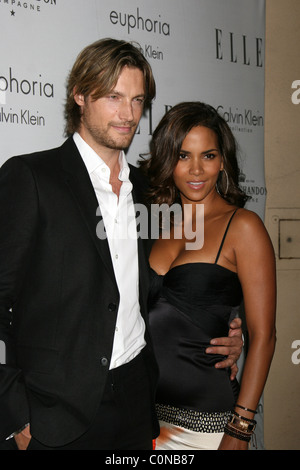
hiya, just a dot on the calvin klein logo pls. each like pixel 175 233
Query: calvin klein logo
pixel 237 48
pixel 24 117
pixel 245 118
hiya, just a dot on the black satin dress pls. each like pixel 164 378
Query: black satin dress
pixel 190 305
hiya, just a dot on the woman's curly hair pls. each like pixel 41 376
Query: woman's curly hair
pixel 166 145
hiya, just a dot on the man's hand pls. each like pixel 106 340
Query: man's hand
pixel 23 438
pixel 230 346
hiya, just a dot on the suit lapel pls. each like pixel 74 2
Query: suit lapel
pixel 79 183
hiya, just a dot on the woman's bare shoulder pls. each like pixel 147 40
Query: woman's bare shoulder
pixel 249 229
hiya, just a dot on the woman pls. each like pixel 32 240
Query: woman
pixel 197 289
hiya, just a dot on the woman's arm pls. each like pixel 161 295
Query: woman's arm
pixel 257 273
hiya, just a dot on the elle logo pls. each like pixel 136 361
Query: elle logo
pixel 238 48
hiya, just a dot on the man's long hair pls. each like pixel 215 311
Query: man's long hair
pixel 96 72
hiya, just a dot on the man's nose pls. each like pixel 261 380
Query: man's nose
pixel 126 111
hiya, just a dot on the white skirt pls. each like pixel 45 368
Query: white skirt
pixel 176 438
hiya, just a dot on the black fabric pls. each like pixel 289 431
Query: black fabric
pixel 57 286
pixel 190 305
pixel 123 420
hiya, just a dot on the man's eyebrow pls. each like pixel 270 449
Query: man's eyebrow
pixel 115 92
pixel 119 93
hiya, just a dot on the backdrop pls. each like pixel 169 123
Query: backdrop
pixel 207 50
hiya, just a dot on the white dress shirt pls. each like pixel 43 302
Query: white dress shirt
pixel 120 229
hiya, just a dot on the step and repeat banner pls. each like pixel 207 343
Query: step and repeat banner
pixel 206 50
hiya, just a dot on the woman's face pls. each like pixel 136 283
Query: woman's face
pixel 198 167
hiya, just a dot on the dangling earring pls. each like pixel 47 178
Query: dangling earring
pixel 227 182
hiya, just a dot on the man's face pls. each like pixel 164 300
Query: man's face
pixel 110 121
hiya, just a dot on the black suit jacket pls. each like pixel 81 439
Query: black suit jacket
pixel 58 295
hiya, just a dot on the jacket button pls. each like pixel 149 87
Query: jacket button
pixel 104 361
pixel 112 307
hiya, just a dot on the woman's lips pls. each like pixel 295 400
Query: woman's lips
pixel 196 184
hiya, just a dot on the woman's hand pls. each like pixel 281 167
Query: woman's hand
pixel 231 443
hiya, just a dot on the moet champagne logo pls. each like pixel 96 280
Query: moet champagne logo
pixel 28 6
pixel 251 189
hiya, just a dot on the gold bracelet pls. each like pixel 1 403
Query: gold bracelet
pixel 243 423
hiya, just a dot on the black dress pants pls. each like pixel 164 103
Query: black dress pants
pixel 123 420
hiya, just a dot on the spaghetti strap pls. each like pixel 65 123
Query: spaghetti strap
pixel 224 236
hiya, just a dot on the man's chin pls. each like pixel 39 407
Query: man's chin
pixel 122 144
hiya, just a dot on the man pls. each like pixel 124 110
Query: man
pixel 80 371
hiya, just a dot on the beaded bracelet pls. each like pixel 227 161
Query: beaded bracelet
pixel 246 409
pixel 233 432
pixel 241 428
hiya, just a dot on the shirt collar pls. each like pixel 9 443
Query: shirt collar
pixel 94 162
